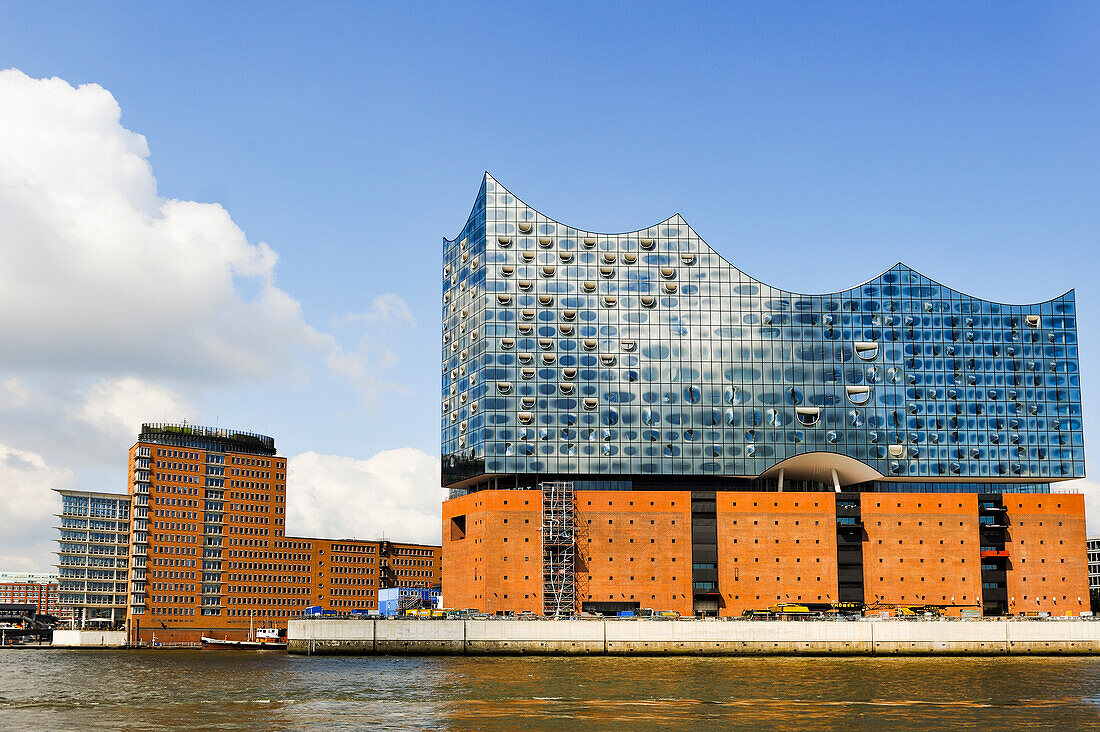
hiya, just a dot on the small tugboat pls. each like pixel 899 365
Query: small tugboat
pixel 262 639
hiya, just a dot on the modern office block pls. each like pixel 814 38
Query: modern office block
pixel 1094 563
pixel 93 558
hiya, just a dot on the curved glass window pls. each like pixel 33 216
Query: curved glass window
pixel 807 416
pixel 858 394
pixel 867 350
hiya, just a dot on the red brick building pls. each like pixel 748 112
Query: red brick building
pixel 43 595
pixel 209 549
pixel 635 549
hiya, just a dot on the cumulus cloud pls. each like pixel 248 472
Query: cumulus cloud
pixel 27 506
pixel 84 425
pixel 118 407
pixel 395 492
pixel 99 274
pixel 120 306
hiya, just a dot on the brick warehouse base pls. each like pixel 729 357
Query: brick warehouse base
pixel 636 547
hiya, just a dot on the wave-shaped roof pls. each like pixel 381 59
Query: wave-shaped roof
pixel 490 187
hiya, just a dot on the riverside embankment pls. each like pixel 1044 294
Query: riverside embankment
pixel 718 638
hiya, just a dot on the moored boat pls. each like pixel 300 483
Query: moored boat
pixel 264 639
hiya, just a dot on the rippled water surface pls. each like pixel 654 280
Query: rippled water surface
pixel 145 690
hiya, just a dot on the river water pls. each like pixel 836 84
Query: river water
pixel 177 690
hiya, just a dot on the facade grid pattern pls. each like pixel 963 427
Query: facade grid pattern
pixel 1094 563
pixel 93 557
pixel 569 352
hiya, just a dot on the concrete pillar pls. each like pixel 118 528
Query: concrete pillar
pixel 781 480
pixel 836 480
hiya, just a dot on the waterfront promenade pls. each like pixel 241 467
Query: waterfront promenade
pixel 718 638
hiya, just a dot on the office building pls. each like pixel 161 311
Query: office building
pixel 31 588
pixel 1094 563
pixel 629 420
pixel 93 558
pixel 37 577
pixel 209 547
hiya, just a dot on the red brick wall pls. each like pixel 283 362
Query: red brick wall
pixel 498 565
pixel 922 548
pixel 1048 567
pixel 775 547
pixel 43 596
pixel 635 547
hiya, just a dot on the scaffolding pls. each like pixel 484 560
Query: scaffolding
pixel 412 602
pixel 559 549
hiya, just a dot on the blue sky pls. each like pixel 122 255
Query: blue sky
pixel 812 145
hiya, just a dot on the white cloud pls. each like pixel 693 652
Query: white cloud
pixel 362 366
pixel 1091 489
pixel 118 407
pixel 84 425
pixel 119 306
pixel 386 309
pixel 395 492
pixel 101 275
pixel 27 506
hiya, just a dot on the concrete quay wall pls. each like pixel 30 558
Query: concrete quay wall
pixel 659 638
pixel 89 638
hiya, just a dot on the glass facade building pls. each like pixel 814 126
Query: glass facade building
pixel 641 356
pixel 1093 548
pixel 668 412
pixel 93 557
